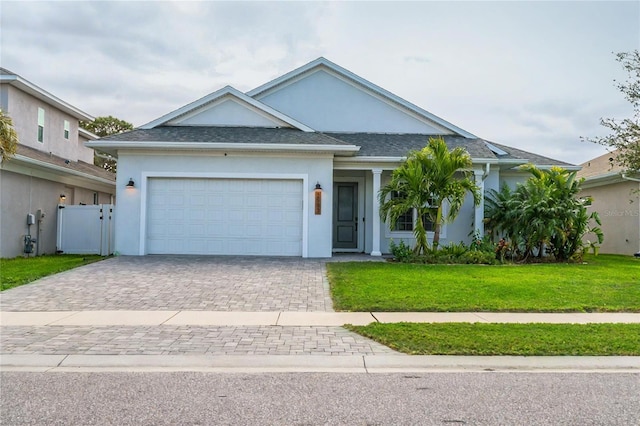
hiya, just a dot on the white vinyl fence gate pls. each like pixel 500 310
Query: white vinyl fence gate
pixel 85 229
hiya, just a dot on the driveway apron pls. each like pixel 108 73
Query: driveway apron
pixel 177 283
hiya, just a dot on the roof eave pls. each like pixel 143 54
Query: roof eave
pixel 117 145
pixel 30 88
pixel 56 168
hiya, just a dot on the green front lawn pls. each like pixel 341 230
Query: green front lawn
pixel 604 283
pixel 20 270
pixel 506 339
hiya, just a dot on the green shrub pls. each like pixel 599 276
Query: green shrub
pixel 478 258
pixel 452 249
pixel 402 252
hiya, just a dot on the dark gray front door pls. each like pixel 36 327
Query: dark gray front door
pixel 345 215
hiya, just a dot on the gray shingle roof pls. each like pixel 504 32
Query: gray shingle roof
pixel 399 145
pixel 225 135
pixel 78 166
pixel 371 144
pixel 538 160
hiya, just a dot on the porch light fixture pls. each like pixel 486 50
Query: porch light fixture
pixel 131 184
pixel 318 198
pixel 62 198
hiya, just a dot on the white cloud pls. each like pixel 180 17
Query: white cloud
pixel 534 75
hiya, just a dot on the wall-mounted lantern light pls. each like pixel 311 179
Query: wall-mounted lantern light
pixel 131 183
pixel 63 198
pixel 318 198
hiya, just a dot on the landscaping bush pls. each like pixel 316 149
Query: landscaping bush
pixel 452 253
pixel 542 216
pixel 402 252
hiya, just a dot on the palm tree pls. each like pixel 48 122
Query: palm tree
pixel 424 181
pixel 544 213
pixel 8 137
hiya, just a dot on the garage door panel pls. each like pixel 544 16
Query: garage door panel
pixel 224 216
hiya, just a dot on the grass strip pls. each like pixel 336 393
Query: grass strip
pixel 506 339
pixel 20 270
pixel 605 283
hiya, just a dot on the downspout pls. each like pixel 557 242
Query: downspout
pixel 625 177
pixel 487 169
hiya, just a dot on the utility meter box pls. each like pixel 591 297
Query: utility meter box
pixel 31 220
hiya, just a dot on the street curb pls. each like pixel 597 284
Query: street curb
pixel 315 363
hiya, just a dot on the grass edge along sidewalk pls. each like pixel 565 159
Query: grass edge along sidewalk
pixel 23 270
pixel 604 283
pixel 533 339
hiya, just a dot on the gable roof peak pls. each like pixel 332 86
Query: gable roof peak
pixel 218 94
pixel 272 85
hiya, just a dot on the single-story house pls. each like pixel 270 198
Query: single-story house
pixel 616 198
pixel 290 168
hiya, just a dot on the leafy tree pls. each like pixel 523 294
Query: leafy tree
pixel 424 181
pixel 8 137
pixel 543 214
pixel 625 133
pixel 106 126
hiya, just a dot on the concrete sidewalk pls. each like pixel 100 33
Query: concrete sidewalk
pixel 227 318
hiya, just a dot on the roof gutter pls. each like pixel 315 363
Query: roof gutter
pixel 30 88
pixel 56 168
pixel 115 145
pixel 625 177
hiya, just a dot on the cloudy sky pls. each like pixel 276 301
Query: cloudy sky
pixel 533 75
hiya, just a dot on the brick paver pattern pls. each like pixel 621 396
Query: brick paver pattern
pixel 208 283
pixel 186 340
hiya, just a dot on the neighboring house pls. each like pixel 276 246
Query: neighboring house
pixel 616 198
pixel 51 166
pixel 291 168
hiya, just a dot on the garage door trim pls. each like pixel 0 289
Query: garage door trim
pixel 145 176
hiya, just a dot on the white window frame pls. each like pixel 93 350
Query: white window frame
pixel 40 134
pixel 389 233
pixel 67 129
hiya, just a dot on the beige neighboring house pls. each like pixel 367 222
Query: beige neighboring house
pixel 617 201
pixel 52 166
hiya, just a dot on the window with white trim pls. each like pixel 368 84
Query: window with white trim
pixel 40 125
pixel 407 220
pixel 66 129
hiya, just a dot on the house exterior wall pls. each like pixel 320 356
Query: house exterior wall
pixel 325 102
pixel 23 110
pixel 129 238
pixel 618 207
pixel 21 194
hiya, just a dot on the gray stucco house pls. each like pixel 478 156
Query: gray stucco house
pixel 290 168
pixel 52 166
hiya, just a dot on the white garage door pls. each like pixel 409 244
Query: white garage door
pixel 224 216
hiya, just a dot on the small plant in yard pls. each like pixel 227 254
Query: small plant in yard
pixel 402 252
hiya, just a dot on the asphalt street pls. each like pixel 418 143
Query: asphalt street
pixel 192 398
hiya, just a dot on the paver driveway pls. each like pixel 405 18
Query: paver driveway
pixel 179 283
